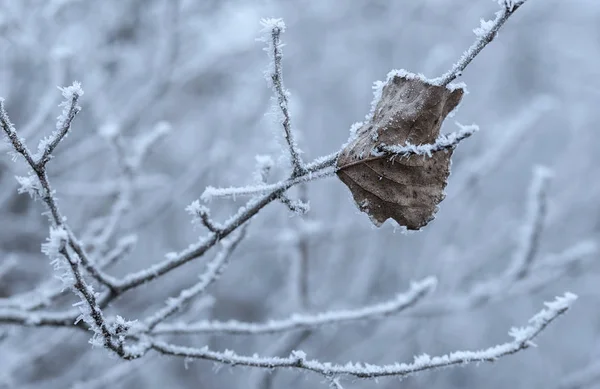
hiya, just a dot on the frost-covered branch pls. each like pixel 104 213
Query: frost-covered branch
pixel 71 94
pixel 273 28
pixel 485 34
pixel 444 142
pixel 56 248
pixel 522 338
pixel 320 166
pixel 45 294
pixel 253 190
pixel 38 184
pixel 416 293
pixel 317 169
pixel 130 340
pixel 202 214
pixel 213 270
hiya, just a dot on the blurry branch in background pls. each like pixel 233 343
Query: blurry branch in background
pixel 77 260
pixel 113 375
pixel 587 377
pixel 299 285
pixel 477 167
pixel 399 303
pixel 129 157
pixel 7 263
pixel 58 65
pixel 522 275
pixel 127 118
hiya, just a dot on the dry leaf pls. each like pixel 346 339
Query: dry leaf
pixel 406 189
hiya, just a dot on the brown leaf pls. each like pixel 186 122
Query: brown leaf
pixel 406 189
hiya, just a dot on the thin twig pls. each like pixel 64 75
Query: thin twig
pixel 275 27
pixel 213 270
pixel 487 33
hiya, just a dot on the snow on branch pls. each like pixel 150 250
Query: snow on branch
pixel 272 30
pixel 522 338
pixel 418 290
pixel 485 34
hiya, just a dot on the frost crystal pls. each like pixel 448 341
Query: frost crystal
pixel 484 28
pixel 55 243
pixel 70 94
pixel 28 184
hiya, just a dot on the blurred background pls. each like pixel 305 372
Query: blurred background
pixel 197 66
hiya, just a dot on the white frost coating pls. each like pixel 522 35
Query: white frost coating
pixel 539 321
pixel 70 94
pixel 509 4
pixel 269 24
pixel 70 108
pixel 56 242
pixel 198 212
pixel 443 142
pixel 28 184
pixel 211 192
pixel 484 28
